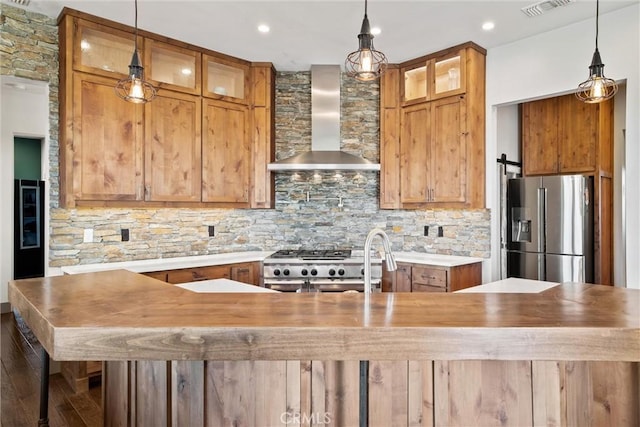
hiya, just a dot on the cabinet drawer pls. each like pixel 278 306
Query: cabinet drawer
pixel 197 274
pixel 419 287
pixel 429 276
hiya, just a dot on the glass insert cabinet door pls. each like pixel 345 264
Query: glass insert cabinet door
pixel 224 79
pixel 29 217
pixel 449 75
pixel 173 67
pixel 415 84
pixel 105 51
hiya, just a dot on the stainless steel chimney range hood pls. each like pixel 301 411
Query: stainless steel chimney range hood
pixel 325 151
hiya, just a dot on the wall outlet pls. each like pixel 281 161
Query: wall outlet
pixel 212 231
pixel 88 235
pixel 124 233
pixel 440 231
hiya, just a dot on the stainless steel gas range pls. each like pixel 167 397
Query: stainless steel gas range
pixel 319 271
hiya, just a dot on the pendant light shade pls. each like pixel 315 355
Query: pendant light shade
pixel 135 88
pixel 597 87
pixel 366 63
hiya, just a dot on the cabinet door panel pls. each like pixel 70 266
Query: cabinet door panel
pixel 402 279
pixel 577 135
pixel 540 137
pixel 226 153
pixel 107 142
pixel 243 273
pixel 173 148
pixel 414 153
pixel 448 153
pixel 449 75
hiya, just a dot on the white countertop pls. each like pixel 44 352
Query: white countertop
pixel 222 285
pixel 160 264
pixel 435 259
pixel 512 285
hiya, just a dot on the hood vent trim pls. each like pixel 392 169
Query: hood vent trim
pixel 325 151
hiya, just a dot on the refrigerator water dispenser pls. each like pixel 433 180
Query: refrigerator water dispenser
pixel 520 226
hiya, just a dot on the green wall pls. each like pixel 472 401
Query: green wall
pixel 27 158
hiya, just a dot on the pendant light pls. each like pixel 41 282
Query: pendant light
pixel 135 88
pixel 597 87
pixel 366 63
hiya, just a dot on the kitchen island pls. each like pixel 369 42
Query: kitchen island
pixel 566 356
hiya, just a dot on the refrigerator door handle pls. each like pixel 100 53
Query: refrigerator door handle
pixel 542 232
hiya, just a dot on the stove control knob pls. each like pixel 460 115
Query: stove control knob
pixel 286 272
pixel 304 272
pixel 314 272
pixel 332 272
pixel 276 272
pixel 341 272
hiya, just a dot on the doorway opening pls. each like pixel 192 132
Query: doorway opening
pixel 29 209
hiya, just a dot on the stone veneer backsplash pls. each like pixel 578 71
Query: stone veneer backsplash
pixel 295 222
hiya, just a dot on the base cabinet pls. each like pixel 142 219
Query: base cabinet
pixel 429 278
pixel 246 272
pixel 400 393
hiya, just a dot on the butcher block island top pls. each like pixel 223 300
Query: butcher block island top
pixel 120 315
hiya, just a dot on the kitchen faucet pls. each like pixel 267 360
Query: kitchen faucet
pixel 388 256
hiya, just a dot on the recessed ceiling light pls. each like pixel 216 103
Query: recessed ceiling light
pixel 488 26
pixel 375 31
pixel 264 28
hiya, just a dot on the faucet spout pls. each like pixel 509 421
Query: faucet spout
pixel 389 259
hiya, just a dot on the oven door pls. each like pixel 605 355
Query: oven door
pixel 287 285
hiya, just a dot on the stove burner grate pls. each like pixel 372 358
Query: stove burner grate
pixel 313 254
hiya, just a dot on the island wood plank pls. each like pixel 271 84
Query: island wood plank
pixel 119 315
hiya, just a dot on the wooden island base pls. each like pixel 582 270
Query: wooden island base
pixel 401 393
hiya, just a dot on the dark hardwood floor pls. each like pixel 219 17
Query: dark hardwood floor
pixel 20 384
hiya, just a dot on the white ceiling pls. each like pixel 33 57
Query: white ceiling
pixel 305 32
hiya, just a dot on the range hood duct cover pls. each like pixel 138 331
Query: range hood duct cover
pixel 325 151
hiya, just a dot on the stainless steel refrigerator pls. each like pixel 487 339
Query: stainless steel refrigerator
pixel 550 228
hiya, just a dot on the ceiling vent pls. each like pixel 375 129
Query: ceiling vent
pixel 539 8
pixel 21 2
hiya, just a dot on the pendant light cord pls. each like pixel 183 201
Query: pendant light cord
pixel 597 15
pixel 365 8
pixel 136 27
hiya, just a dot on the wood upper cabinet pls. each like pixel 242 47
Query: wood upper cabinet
pixel 540 137
pixel 561 136
pixel 105 145
pixel 172 67
pixel 430 278
pixel 262 134
pixel 204 141
pixel 226 155
pixel 432 146
pixel 173 150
